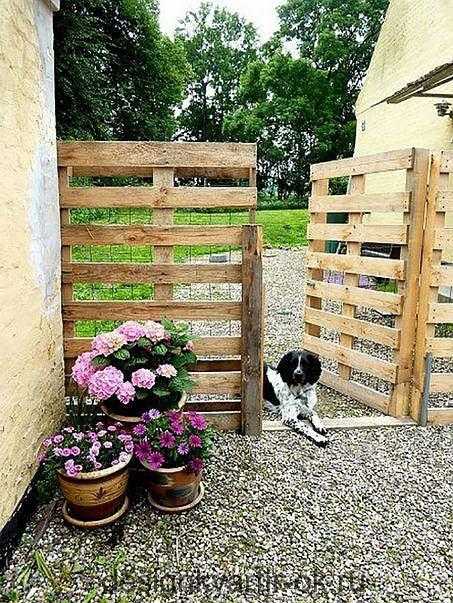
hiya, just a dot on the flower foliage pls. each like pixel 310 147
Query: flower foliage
pixel 173 439
pixel 74 452
pixel 145 362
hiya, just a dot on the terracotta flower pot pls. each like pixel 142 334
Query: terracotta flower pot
pixel 173 490
pixel 130 421
pixel 95 498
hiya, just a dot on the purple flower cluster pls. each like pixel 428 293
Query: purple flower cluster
pixel 172 439
pixel 75 452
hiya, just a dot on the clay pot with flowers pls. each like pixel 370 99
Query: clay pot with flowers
pixel 136 367
pixel 173 447
pixel 92 471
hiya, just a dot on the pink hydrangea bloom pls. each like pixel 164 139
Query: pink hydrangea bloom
pixel 143 378
pixel 131 331
pixel 105 383
pixel 166 370
pixel 83 369
pixel 189 346
pixel 155 460
pixel 195 441
pixel 154 331
pixel 125 393
pixel 107 343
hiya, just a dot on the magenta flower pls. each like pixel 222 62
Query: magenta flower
pixel 177 427
pixel 72 469
pixel 75 451
pixel 166 370
pixel 106 343
pixel 83 369
pixel 131 331
pixel 183 448
pixel 143 378
pixel 142 450
pixel 150 415
pixel 167 439
pixel 105 383
pixel 175 415
pixel 139 430
pixel 197 421
pixel 196 465
pixel 155 460
pixel 58 439
pixel 66 452
pixel 195 441
pixel 125 393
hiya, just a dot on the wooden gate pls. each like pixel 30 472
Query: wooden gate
pixel 236 370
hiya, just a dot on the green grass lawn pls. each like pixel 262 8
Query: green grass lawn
pixel 281 229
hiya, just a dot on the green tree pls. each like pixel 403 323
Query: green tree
pixel 219 45
pixel 116 75
pixel 298 98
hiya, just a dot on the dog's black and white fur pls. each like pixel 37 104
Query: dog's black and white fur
pixel 290 391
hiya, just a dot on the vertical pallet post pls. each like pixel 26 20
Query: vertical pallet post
pixel 252 182
pixel 416 184
pixel 64 173
pixel 252 329
pixel 163 178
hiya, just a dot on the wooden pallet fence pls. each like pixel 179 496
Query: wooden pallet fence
pixel 352 264
pixel 434 276
pixel 237 367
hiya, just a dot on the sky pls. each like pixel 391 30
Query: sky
pixel 262 13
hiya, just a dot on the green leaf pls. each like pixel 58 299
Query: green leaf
pixel 122 354
pixel 160 349
pixel 100 361
pixel 144 342
pixel 141 394
pixel 161 392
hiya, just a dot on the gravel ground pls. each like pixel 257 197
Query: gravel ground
pixel 367 520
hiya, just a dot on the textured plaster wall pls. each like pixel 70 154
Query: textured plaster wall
pixel 31 384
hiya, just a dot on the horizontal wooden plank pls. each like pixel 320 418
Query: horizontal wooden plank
pixel 358 296
pixel 442 276
pixel 440 416
pixel 355 390
pixel 440 347
pixel 356 264
pixel 212 173
pixel 352 326
pixel 151 235
pixel 217 383
pixel 377 202
pixel 353 358
pixel 445 201
pixel 217 366
pixel 369 233
pixel 446 163
pixel 440 313
pixel 156 154
pixel 347 423
pixel 205 346
pixel 151 310
pixel 368 164
pixel 213 406
pixel 441 383
pixel 150 273
pixel 224 421
pixel 443 238
pixel 158 197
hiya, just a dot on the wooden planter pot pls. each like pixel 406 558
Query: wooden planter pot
pixel 130 421
pixel 97 498
pixel 173 490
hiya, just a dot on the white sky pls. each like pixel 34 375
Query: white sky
pixel 262 13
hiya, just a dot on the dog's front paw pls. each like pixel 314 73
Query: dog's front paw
pixel 321 441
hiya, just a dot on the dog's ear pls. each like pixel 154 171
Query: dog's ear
pixel 284 367
pixel 313 367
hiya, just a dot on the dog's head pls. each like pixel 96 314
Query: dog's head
pixel 299 368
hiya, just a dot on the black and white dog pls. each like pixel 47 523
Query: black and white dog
pixel 290 391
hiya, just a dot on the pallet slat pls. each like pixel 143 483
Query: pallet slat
pixel 363 233
pixel 224 421
pixel 217 383
pixel 445 201
pixel 150 273
pixel 353 358
pixel 441 383
pixel 440 416
pixel 213 173
pixel 379 300
pixel 443 238
pixel 446 163
pixel 156 154
pixel 151 310
pixel 151 235
pixel 356 390
pixel 369 164
pixel 440 347
pixel 378 202
pixel 442 276
pixel 440 313
pixel 357 264
pixel 352 326
pixel 158 197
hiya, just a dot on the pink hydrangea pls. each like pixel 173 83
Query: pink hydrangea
pixel 125 393
pixel 166 370
pixel 105 383
pixel 107 343
pixel 154 331
pixel 131 331
pixel 143 378
pixel 83 369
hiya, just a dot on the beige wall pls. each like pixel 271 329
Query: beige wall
pixel 31 384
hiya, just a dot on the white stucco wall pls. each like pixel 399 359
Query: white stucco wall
pixel 31 358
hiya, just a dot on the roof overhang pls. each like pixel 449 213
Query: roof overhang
pixel 423 85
